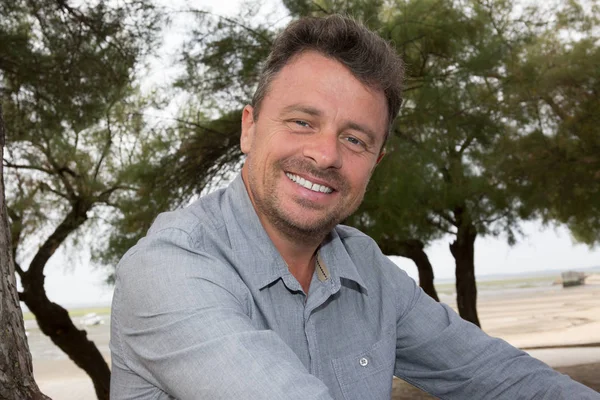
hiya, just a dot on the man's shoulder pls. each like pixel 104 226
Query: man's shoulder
pixel 203 214
pixel 198 227
pixel 192 236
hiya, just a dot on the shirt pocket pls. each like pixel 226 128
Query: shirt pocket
pixel 368 374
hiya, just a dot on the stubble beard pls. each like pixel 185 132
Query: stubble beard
pixel 270 205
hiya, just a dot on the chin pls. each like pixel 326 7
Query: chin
pixel 313 228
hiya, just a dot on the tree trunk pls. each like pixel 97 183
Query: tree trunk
pixel 413 249
pixel 463 250
pixel 54 321
pixel 16 368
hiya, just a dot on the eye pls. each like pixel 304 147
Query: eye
pixel 355 142
pixel 302 123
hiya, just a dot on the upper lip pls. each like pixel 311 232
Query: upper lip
pixel 313 180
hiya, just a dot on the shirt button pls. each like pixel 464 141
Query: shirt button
pixel 363 362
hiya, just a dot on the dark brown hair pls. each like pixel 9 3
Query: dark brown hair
pixel 368 57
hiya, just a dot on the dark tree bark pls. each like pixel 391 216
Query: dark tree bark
pixel 463 251
pixel 413 249
pixel 54 320
pixel 16 368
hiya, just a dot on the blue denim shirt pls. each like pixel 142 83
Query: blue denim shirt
pixel 205 308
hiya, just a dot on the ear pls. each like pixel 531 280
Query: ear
pixel 248 129
pixel 380 157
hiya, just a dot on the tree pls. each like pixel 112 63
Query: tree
pixel 554 164
pixel 66 76
pixel 486 88
pixel 16 369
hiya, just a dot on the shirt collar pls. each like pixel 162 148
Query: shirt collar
pixel 257 252
pixel 337 260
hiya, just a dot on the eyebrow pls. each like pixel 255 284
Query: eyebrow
pixel 303 108
pixel 317 113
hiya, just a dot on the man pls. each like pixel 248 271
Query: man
pixel 255 292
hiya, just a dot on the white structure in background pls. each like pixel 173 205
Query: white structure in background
pixel 91 319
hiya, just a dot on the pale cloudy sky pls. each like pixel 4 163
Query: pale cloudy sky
pixel 70 281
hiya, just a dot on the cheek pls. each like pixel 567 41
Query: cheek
pixel 360 172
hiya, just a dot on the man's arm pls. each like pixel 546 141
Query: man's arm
pixel 181 327
pixel 453 359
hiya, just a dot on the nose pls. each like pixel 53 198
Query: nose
pixel 323 148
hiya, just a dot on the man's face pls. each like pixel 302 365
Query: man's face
pixel 314 146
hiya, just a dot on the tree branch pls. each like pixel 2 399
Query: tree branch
pixel 409 41
pixel 18 268
pixel 440 226
pixel 83 19
pixel 104 150
pixel 32 167
pixel 487 221
pixel 60 172
pixel 466 144
pixel 45 186
pixel 445 217
pixel 261 36
pixel 103 196
pixel 74 219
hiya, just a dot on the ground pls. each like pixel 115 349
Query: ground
pixel 588 374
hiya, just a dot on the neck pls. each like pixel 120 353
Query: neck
pixel 294 251
pixel 299 255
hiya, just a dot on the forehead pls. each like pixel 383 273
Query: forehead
pixel 320 82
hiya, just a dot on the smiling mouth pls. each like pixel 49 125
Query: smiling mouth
pixel 315 187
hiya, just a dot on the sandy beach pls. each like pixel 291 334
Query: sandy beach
pixel 560 326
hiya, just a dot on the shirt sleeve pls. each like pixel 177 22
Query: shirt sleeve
pixel 439 352
pixel 181 329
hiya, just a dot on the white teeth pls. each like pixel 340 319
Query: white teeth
pixel 315 187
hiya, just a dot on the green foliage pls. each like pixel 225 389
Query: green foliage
pixel 72 111
pixel 364 10
pixel 223 58
pixel 554 163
